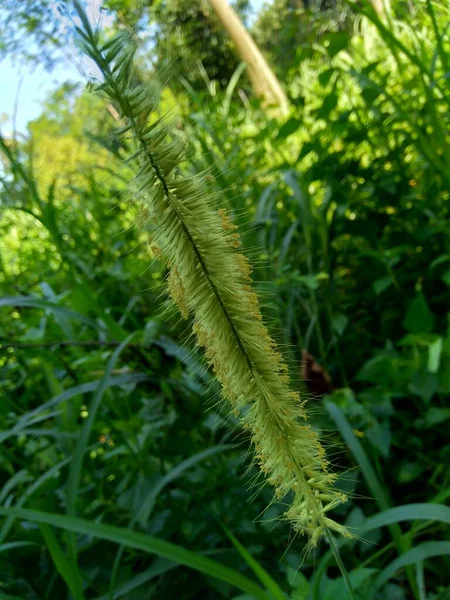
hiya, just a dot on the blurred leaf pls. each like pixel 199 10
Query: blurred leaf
pixel 409 471
pixel 380 285
pixel 377 370
pixel 446 278
pixel 328 105
pixel 418 317
pixel 325 76
pixel 151 331
pixel 370 94
pixel 335 42
pixel 379 435
pixel 435 416
pixel 434 355
pixel 439 260
pixel 288 128
pixel 298 582
pixel 309 281
pixel 338 323
pixel 306 149
pixel 423 384
pixel 301 196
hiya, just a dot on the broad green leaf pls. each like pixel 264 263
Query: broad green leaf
pixel 309 281
pixel 411 557
pixel 418 317
pixel 298 582
pixel 408 512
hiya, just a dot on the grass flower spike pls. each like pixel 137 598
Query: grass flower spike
pixel 209 280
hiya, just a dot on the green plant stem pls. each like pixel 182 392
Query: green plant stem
pixel 340 564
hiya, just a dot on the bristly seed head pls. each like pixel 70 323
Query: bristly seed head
pixel 210 283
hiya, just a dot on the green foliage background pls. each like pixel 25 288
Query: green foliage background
pixel 107 414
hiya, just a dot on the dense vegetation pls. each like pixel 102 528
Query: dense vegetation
pixel 122 476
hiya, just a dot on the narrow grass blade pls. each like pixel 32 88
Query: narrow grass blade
pixel 83 439
pixel 84 388
pixel 359 455
pixel 145 510
pixel 420 579
pixel 408 512
pixel 38 303
pixel 12 545
pixel 337 557
pixel 21 477
pixel 161 567
pixel 143 515
pixel 65 569
pixel 268 582
pixel 141 541
pixel 30 490
pixel 234 79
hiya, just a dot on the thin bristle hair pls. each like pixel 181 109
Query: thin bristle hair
pixel 209 279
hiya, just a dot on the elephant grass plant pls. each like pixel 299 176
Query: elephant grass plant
pixel 209 280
